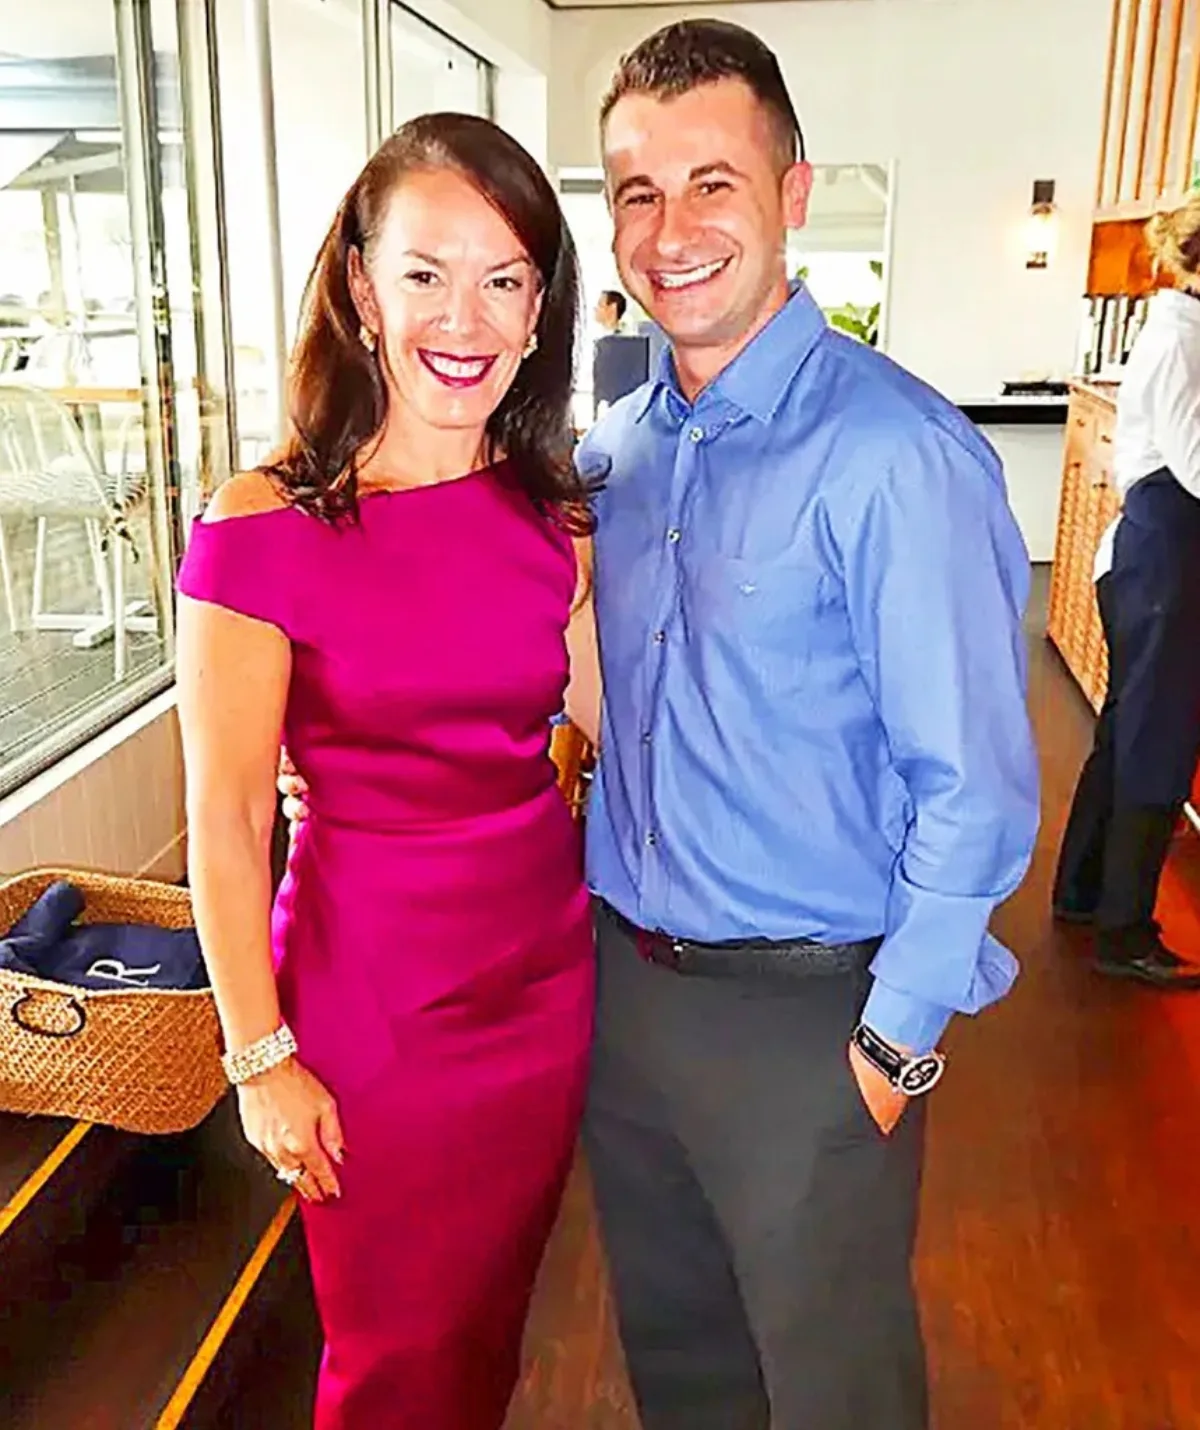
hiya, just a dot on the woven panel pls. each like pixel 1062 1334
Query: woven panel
pixel 1088 505
pixel 1062 622
pixel 143 1060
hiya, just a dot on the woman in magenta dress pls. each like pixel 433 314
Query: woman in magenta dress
pixel 398 597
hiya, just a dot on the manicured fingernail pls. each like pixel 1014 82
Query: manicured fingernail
pixel 339 1155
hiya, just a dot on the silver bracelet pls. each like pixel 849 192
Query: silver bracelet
pixel 260 1057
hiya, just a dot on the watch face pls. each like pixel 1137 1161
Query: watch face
pixel 920 1075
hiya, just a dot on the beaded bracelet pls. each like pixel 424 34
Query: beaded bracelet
pixel 260 1057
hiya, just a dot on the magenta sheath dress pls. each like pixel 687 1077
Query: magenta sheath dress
pixel 432 935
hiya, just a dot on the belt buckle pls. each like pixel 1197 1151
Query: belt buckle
pixel 671 949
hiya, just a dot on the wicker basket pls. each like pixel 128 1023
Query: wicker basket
pixel 146 1060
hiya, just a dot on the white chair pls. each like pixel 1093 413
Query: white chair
pixel 57 358
pixel 48 471
pixel 10 351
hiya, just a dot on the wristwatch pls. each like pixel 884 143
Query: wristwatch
pixel 907 1074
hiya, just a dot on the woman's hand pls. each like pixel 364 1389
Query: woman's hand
pixel 292 1119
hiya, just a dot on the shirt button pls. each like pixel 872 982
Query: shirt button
pixel 651 839
pixel 660 637
pixel 697 434
pixel 646 737
pixel 674 535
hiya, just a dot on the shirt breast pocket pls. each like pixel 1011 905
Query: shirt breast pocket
pixel 768 609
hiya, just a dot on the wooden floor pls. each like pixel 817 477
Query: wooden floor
pixel 1059 1263
pixel 1060 1251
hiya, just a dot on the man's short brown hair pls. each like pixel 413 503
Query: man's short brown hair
pixel 681 57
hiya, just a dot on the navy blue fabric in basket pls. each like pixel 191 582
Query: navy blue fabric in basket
pixel 46 943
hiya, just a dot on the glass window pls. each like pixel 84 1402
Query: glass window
pixel 431 72
pixel 841 249
pixel 319 150
pixel 100 383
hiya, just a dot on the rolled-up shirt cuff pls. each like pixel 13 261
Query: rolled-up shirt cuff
pixel 904 1020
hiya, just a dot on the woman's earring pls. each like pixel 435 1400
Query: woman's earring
pixel 531 345
pixel 367 338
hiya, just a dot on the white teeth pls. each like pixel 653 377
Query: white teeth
pixel 692 276
pixel 454 367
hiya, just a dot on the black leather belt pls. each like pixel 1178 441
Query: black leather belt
pixel 746 958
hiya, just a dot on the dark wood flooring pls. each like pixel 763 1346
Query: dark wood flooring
pixel 1060 1254
pixel 97 1335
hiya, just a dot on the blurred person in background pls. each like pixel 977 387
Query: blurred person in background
pixel 1140 771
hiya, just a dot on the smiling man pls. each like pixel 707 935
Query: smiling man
pixel 816 780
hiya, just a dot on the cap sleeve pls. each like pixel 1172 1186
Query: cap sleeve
pixel 242 563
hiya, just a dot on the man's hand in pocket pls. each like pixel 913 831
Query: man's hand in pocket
pixel 885 1104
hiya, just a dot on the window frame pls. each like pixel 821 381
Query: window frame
pixel 485 70
pixel 137 97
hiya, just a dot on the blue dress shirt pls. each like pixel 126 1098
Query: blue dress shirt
pixel 809 588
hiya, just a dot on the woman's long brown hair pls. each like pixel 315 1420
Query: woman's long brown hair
pixel 337 398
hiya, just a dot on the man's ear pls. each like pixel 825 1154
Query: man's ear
pixel 797 186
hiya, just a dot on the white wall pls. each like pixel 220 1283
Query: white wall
pixel 1033 467
pixel 515 37
pixel 974 99
pixel 510 33
pixel 117 807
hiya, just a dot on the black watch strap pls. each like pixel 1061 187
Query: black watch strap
pixel 911 1075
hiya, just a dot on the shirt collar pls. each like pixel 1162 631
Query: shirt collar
pixel 758 378
pixel 1179 308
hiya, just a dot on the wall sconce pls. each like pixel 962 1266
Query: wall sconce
pixel 1041 228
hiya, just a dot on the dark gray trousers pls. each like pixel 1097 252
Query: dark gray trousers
pixel 758 1226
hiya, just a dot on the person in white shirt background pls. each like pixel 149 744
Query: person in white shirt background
pixel 610 311
pixel 1147 745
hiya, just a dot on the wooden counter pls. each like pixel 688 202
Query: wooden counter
pixel 1088 504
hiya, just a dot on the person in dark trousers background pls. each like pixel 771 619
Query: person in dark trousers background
pixel 1133 786
pixel 816 780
